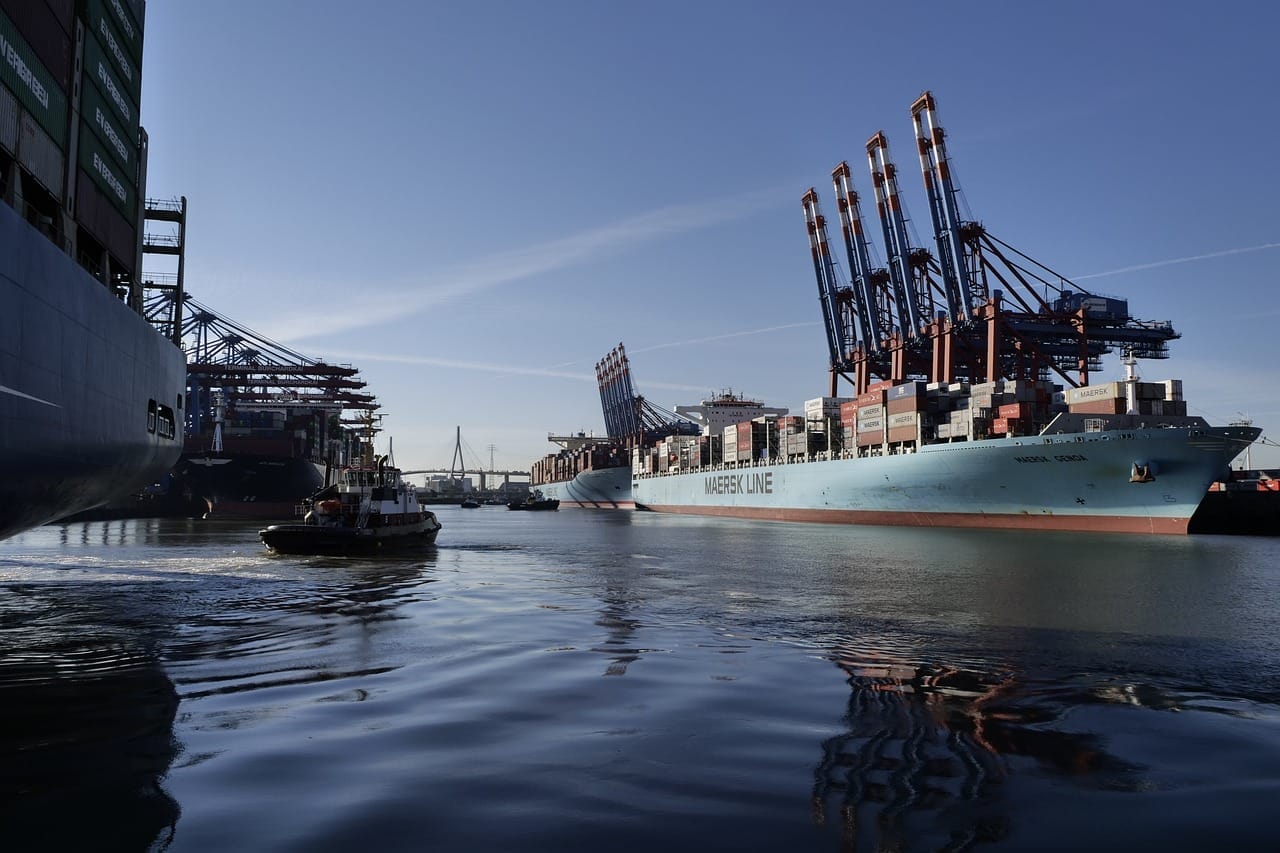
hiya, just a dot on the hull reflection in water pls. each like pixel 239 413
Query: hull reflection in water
pixel 924 761
pixel 86 735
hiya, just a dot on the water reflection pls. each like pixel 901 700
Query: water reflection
pixel 929 749
pixel 86 738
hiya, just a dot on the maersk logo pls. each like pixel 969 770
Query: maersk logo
pixel 758 483
pixel 24 73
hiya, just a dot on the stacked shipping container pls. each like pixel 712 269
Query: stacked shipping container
pixel 79 146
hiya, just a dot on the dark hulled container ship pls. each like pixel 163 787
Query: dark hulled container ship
pixel 91 394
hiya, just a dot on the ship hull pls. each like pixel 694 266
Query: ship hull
pixel 598 488
pixel 1064 482
pixel 246 485
pixel 81 377
pixel 313 539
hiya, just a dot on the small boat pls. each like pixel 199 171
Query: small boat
pixel 368 510
pixel 535 500
pixel 470 503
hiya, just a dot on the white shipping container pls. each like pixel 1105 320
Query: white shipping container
pixel 871 425
pixel 866 413
pixel 903 419
pixel 1090 393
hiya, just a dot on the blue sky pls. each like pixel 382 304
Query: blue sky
pixel 473 202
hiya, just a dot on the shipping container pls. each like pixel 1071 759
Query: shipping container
pixel 1172 389
pixel 848 411
pixel 1015 410
pixel 903 419
pixel 119 188
pixel 870 438
pixel 872 412
pixel 9 122
pixel 101 218
pixel 903 434
pixel 871 425
pixel 909 389
pixel 126 27
pixel 1103 406
pixel 40 155
pixel 905 404
pixel 1088 393
pixel 823 407
pixel 43 35
pixel 98 69
pixel 101 121
pixel 26 77
pixel 871 398
pixel 101 26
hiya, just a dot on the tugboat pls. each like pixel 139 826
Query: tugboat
pixel 535 500
pixel 369 509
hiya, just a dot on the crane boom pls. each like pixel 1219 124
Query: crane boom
pixel 828 285
pixel 964 292
pixel 873 318
pixel 912 299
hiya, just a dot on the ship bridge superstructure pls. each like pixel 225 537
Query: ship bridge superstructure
pixel 971 307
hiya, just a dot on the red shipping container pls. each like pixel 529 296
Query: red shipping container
pixel 898 434
pixel 1100 407
pixel 848 411
pixel 904 404
pixel 871 398
pixel 1000 426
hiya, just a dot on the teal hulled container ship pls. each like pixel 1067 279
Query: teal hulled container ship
pixel 926 455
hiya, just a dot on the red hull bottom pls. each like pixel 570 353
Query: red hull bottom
pixel 598 505
pixel 1027 521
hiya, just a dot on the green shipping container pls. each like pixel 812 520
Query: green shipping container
pixel 98 115
pixel 99 69
pixel 31 83
pixel 101 27
pixel 101 167
pixel 126 25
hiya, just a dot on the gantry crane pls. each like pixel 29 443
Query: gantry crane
pixel 938 317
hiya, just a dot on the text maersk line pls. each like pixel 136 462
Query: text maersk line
pixel 756 483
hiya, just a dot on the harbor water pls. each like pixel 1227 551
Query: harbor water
pixel 592 680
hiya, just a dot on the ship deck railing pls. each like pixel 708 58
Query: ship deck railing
pixel 775 461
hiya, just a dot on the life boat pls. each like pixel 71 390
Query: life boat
pixel 326 507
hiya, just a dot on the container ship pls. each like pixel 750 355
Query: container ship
pixel 265 424
pixel 595 471
pixel 91 393
pixel 929 454
pixel 970 401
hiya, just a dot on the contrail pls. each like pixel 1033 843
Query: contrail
pixel 506 267
pixel 708 339
pixel 726 335
pixel 505 369
pixel 1185 260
